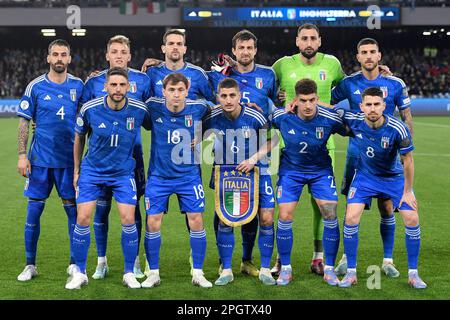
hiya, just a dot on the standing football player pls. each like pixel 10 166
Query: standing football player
pixel 174 169
pixel 114 124
pixel 258 88
pixel 326 71
pixel 239 131
pixel 395 96
pixel 118 55
pixel 381 141
pixel 305 161
pixel 51 101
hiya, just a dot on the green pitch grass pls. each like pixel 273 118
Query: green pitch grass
pixel 432 180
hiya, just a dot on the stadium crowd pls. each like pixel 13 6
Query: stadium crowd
pixel 177 3
pixel 426 71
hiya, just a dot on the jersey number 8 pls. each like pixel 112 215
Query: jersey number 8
pixel 370 152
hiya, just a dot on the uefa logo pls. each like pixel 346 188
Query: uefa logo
pixel 291 14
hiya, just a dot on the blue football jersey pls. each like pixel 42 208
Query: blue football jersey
pixel 305 141
pixel 53 107
pixel 351 88
pixel 199 84
pixel 113 136
pixel 379 148
pixel 171 154
pixel 140 87
pixel 258 86
pixel 235 140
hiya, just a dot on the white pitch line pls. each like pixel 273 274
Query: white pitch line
pixel 432 124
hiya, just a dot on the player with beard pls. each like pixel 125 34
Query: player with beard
pixel 118 55
pixel 174 49
pixel 381 141
pixel 114 123
pixel 326 71
pixel 395 95
pixel 257 85
pixel 51 101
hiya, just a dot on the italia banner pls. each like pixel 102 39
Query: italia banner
pixel 236 194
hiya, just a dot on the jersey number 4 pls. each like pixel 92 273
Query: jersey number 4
pixel 61 113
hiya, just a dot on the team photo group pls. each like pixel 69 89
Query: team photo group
pixel 86 141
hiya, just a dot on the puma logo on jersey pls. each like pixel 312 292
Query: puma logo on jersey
pixel 292 131
pixel 102 126
pixel 47 97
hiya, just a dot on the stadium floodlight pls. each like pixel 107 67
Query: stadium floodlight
pixel 78 32
pixel 448 33
pixel 426 33
pixel 48 32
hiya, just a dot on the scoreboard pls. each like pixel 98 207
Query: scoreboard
pixel 288 16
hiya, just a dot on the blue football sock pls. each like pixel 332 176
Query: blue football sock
pixel 33 229
pixel 387 231
pixel 330 240
pixel 81 242
pixel 412 241
pixel 129 245
pixel 285 239
pixel 225 244
pixel 248 232
pixel 138 221
pixel 198 247
pixel 265 244
pixel 101 225
pixel 71 212
pixel 351 233
pixel 152 244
